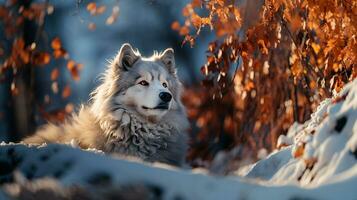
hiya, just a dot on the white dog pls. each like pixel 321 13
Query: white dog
pixel 136 111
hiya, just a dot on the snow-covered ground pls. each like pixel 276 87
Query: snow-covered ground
pixel 316 160
pixel 323 150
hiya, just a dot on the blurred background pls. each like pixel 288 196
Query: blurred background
pixel 250 68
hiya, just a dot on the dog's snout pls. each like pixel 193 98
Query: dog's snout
pixel 165 96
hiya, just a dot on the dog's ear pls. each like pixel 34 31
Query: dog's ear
pixel 126 57
pixel 168 58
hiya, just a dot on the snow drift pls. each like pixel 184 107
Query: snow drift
pixel 316 160
pixel 320 151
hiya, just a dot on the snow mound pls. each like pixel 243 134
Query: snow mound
pixel 62 172
pixel 322 150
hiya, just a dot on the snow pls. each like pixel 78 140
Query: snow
pixel 322 149
pixel 284 140
pixel 80 167
pixel 266 168
pixel 317 161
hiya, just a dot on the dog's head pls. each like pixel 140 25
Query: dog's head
pixel 147 86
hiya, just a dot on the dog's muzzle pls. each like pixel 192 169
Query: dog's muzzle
pixel 164 105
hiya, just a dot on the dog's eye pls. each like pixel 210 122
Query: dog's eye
pixel 165 85
pixel 144 83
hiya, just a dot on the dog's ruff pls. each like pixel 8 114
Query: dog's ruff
pixel 112 126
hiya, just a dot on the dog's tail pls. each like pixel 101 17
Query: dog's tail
pixel 49 133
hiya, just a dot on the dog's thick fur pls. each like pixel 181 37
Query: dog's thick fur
pixel 112 121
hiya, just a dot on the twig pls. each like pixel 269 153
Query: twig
pixel 78 11
pixel 308 65
pixel 41 22
pixel 232 81
pixel 344 69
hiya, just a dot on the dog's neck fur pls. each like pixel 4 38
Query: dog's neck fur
pixel 125 131
pixel 122 125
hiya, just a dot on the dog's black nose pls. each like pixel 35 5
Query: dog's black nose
pixel 165 96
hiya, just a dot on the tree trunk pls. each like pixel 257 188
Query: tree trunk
pixel 23 102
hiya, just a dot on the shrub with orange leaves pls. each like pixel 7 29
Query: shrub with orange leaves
pixel 26 52
pixel 285 56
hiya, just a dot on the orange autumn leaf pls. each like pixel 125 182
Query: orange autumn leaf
pixel 299 151
pixel 262 47
pixel 66 92
pixel 313 85
pixel 69 108
pixel 315 47
pixel 56 43
pixel 101 10
pixel 55 116
pixel 297 69
pixel 185 10
pixel 295 23
pixel 184 30
pixel 71 64
pixel 79 66
pixel 75 73
pixel 205 21
pixel 249 86
pixel 175 26
pixel 113 17
pixel 196 3
pixel 92 26
pixel 42 58
pixel 74 68
pixel 19 43
pixel 54 74
pixel 91 7
pixel 196 20
pixel 59 53
pixel 244 54
pixel 110 20
pixel 25 56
